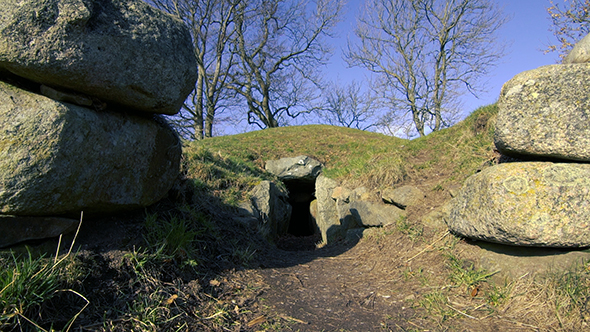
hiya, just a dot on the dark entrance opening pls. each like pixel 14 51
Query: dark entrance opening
pixel 301 194
pixel 303 233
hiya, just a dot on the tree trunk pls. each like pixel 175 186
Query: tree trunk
pixel 418 121
pixel 209 119
pixel 271 122
pixel 198 101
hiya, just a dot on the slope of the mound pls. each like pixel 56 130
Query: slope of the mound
pixel 358 157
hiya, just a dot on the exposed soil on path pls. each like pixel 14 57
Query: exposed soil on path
pixel 385 282
pixel 334 289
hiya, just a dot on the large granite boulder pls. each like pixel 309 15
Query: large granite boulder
pixel 269 205
pixel 301 168
pixel 528 204
pixel 122 52
pixel 58 158
pixel 545 113
pixel 580 53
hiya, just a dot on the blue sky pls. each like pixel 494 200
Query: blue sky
pixel 526 33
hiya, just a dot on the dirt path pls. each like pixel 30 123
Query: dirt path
pixel 337 288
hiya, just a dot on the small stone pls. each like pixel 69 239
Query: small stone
pixel 403 197
pixel 410 297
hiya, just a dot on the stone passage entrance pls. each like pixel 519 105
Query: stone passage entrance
pixel 301 194
pixel 299 176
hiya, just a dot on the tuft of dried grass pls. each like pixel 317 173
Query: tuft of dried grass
pixel 557 301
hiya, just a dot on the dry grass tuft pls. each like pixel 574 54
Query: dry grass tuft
pixel 557 301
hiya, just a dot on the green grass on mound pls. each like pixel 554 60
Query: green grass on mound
pixel 234 164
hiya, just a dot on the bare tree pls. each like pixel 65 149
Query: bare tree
pixel 349 106
pixel 212 26
pixel 280 44
pixel 426 53
pixel 569 24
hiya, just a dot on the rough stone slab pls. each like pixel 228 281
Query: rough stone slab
pixel 269 204
pixel 436 218
pixel 371 214
pixel 514 262
pixel 15 229
pixel 301 168
pixel 545 112
pixel 526 204
pixel 119 51
pixel 58 158
pixel 327 218
pixel 403 197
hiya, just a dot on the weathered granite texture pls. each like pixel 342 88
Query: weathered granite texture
pixel 58 158
pixel 370 214
pixel 545 113
pixel 15 229
pixel 326 209
pixel 580 53
pixel 403 197
pixel 122 52
pixel 269 205
pixel 527 204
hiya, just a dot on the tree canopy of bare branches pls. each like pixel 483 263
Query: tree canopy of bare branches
pixel 348 106
pixel 211 23
pixel 425 53
pixel 280 45
pixel 570 22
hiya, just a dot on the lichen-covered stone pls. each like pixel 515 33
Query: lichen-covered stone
pixel 370 214
pixel 58 158
pixel 545 112
pixel 327 212
pixel 122 52
pixel 528 204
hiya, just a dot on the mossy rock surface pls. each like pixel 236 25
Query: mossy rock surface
pixel 58 158
pixel 528 204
